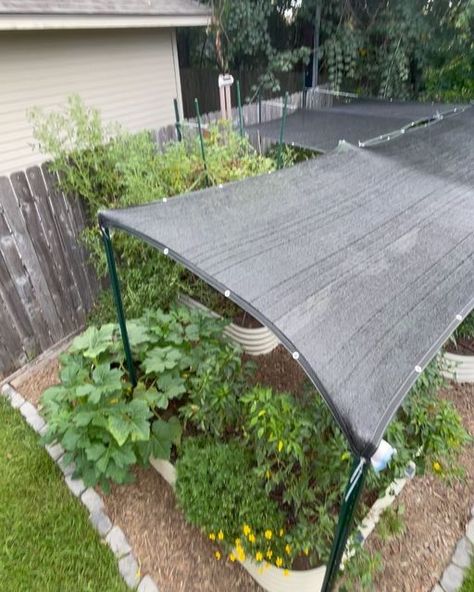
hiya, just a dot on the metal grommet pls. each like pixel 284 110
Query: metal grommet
pixel 166 251
pixel 296 355
pixel 227 293
pixel 458 317
pixel 418 369
pixel 221 186
pixel 165 199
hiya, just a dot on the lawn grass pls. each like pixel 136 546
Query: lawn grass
pixel 47 543
pixel 468 584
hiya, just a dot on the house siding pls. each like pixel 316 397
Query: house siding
pixel 130 75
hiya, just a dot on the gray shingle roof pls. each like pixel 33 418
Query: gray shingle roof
pixel 105 7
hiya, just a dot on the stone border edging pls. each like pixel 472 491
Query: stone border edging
pixel 453 575
pixel 88 496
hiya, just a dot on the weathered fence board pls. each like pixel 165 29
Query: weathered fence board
pixel 46 283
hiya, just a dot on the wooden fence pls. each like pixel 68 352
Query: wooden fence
pixel 46 284
pixel 201 83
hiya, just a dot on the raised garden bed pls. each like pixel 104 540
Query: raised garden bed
pixel 459 361
pixel 274 579
pixel 255 339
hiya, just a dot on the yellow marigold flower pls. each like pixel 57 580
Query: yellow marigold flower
pixel 217 555
pixel 212 536
pixel 238 543
pixel 251 538
pixel 286 572
pixel 259 556
pixel 220 535
pixel 279 562
pixel 241 554
pixel 246 529
pixel 280 445
pixel 437 467
pixel 268 535
pixel 232 557
pixel 269 553
pixel 288 549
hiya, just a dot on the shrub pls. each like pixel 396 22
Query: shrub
pixel 220 494
pixel 106 426
pixel 110 168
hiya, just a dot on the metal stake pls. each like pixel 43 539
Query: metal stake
pixel 282 133
pixel 346 515
pixel 201 139
pixel 177 124
pixel 109 252
pixel 239 103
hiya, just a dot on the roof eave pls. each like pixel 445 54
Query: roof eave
pixel 32 22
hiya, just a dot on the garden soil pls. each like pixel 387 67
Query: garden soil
pixel 181 559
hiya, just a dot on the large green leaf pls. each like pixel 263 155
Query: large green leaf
pixel 160 359
pixel 165 434
pixel 130 421
pixel 94 342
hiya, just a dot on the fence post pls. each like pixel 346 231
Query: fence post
pixel 178 123
pixel 282 133
pixel 201 140
pixel 239 103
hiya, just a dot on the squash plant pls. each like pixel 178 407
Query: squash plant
pixel 104 424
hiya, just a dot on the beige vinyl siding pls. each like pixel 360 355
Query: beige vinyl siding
pixel 130 75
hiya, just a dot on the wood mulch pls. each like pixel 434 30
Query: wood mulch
pixel 181 559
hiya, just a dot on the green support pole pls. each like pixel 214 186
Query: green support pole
pixel 239 103
pixel 282 133
pixel 346 515
pixel 201 139
pixel 178 123
pixel 109 252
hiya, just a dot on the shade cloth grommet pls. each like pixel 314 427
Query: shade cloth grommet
pixel 296 356
pixel 165 199
pixel 418 369
pixel 166 251
pixel 227 293
pixel 458 317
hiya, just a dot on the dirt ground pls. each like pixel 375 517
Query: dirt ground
pixel 181 559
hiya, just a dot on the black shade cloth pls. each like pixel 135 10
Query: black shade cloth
pixel 361 261
pixel 355 121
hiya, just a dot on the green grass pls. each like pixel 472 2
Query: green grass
pixel 46 541
pixel 468 584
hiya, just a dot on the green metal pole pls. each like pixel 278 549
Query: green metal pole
pixel 239 103
pixel 346 515
pixel 178 123
pixel 109 252
pixel 282 133
pixel 201 139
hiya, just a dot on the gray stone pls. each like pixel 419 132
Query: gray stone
pixel 43 430
pixel 92 500
pixel 452 578
pixel 118 542
pixel 16 400
pixel 101 522
pixel 470 531
pixel 32 416
pixel 437 588
pixel 55 451
pixel 75 485
pixel 67 470
pixel 462 554
pixel 129 570
pixel 148 585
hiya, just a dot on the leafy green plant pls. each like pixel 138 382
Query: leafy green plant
pixel 392 523
pixel 110 168
pixel 219 493
pixel 104 424
pixel 360 571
